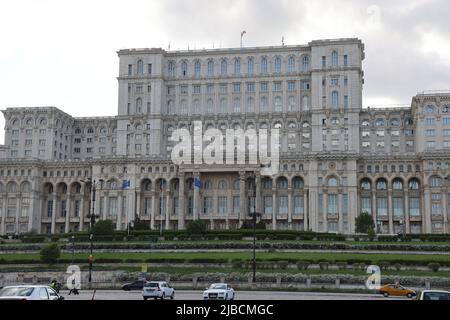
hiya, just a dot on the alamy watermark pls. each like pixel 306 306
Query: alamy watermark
pixel 240 147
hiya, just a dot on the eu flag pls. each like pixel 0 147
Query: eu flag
pixel 126 184
pixel 198 183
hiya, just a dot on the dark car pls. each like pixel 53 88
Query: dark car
pixel 136 285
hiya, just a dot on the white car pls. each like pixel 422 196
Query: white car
pixel 434 295
pixel 219 291
pixel 157 289
pixel 31 292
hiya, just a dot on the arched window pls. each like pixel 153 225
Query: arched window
pixel 332 182
pixel 210 106
pixel 208 185
pixel 282 183
pixel 397 184
pixel 305 103
pixel 210 68
pixel 171 107
pixel 223 105
pixel 25 187
pixel 291 64
pixel 184 68
pixel 237 105
pixel 413 184
pixel 277 65
pixel 250 66
pixel 305 63
pixel 446 109
pixel 90 131
pixel 236 185
pixel 366 185
pixel 140 67
pixel 11 187
pixel 197 68
pixel 29 122
pixel 263 104
pixel 263 65
pixel 183 107
pixel 291 104
pixel 395 122
pixel 335 99
pixel 138 105
pixel 250 104
pixel 297 183
pixel 305 125
pixel 278 104
pixel 365 123
pixel 223 67
pixel 237 66
pixel 267 183
pixel 222 185
pixel 379 122
pixel 429 109
pixel 171 69
pixel 196 105
pixel 381 184
pixel 334 59
pixel 77 131
pixel 277 125
pixel 435 181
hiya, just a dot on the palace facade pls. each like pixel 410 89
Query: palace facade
pixel 337 159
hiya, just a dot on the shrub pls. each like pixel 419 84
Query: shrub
pixel 398 266
pixel 103 228
pixel 364 223
pixel 434 266
pixel 323 265
pixel 50 253
pixel 384 265
pixel 341 265
pixel 196 227
pixel 33 239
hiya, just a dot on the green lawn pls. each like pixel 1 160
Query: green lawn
pixel 312 256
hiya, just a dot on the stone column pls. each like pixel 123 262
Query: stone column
pixel 138 203
pixel 274 208
pixel 406 200
pixel 3 230
pixel 82 214
pixel 242 200
pixel 105 205
pixel 153 210
pixel 444 209
pixel 168 210
pixel 374 207
pixel 181 206
pixel 53 226
pixel 426 210
pixel 197 206
pixel 390 212
pixel 290 208
pixel 18 212
pixel 258 193
pixel 340 215
pixel 119 212
pixel 68 206
pixel 305 211
pixel 325 212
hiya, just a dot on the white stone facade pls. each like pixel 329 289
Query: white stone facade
pixel 336 159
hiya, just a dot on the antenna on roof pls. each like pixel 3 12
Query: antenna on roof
pixel 282 40
pixel 169 46
pixel 242 34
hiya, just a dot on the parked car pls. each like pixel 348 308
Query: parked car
pixel 396 290
pixel 220 291
pixel 32 292
pixel 434 295
pixel 157 289
pixel 135 285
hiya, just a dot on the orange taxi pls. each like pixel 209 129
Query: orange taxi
pixel 396 290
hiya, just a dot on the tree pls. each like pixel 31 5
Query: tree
pixel 364 223
pixel 103 228
pixel 140 225
pixel 196 227
pixel 248 224
pixel 50 254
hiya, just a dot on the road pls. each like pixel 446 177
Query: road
pixel 240 295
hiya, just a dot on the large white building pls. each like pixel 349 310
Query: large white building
pixel 336 158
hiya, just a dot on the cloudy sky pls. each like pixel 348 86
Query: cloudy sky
pixel 63 53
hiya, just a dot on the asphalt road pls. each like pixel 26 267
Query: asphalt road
pixel 240 295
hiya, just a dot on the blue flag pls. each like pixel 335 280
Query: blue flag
pixel 198 183
pixel 126 184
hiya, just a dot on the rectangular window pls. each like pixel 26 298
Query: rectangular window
pixel 334 82
pixel 298 205
pixel 398 207
pixel 207 205
pixel 283 205
pixel 210 88
pixel 268 205
pixel 430 132
pixel 382 206
pixel 184 89
pixel 345 81
pixel 223 88
pixel 431 121
pixel 345 60
pixel 251 87
pixel 344 204
pixel 431 144
pixel 236 205
pixel 324 61
pixel 332 204
pixel 277 86
pixel 49 208
pixel 446 121
pixel 436 209
pixel 130 69
pixel 42 131
pixel 264 87
pixel 292 86
pixel 149 68
pixel 345 101
pixel 222 205
pixel 414 207
pixel 197 89
pixel 236 87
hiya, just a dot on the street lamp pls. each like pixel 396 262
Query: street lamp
pixel 254 215
pixel 92 217
pixel 73 248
